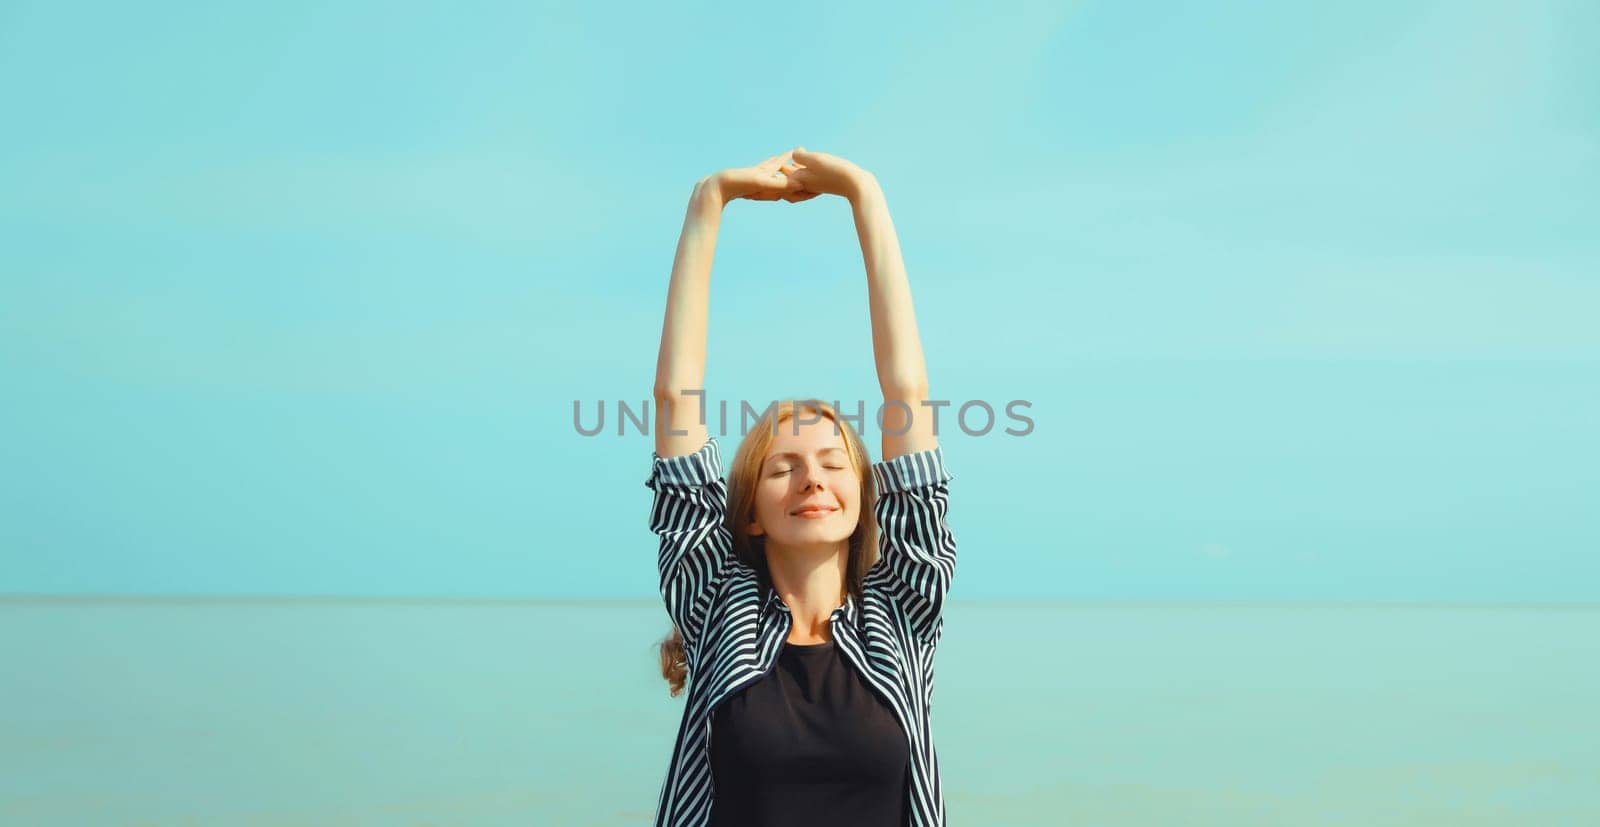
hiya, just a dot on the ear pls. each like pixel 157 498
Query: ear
pixel 753 529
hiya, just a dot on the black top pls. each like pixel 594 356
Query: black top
pixel 809 743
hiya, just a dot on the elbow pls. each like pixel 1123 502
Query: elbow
pixel 913 389
pixel 903 379
pixel 672 392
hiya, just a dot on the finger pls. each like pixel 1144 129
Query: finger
pixel 782 174
pixel 776 161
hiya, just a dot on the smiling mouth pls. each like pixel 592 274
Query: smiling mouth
pixel 814 512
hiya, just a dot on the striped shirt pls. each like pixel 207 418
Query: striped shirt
pixel 733 629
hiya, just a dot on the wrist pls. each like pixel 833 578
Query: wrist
pixel 708 193
pixel 863 185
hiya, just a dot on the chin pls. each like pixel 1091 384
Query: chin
pixel 817 536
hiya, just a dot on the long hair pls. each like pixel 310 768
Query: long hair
pixel 743 476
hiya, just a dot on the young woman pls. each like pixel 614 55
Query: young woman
pixel 806 592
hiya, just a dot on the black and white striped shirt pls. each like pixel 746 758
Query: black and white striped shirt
pixel 733 632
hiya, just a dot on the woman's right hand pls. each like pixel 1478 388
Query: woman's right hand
pixel 820 172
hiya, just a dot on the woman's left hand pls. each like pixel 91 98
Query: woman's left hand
pixel 766 181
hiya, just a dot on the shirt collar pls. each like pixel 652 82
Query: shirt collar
pixel 849 608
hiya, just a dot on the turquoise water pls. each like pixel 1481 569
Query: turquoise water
pixel 418 713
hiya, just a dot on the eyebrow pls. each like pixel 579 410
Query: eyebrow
pixel 796 454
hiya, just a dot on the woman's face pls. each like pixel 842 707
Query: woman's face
pixel 810 468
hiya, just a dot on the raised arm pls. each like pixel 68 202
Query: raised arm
pixel 681 365
pixel 916 544
pixel 896 348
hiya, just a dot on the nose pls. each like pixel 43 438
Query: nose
pixel 813 478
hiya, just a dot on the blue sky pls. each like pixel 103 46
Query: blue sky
pixel 296 299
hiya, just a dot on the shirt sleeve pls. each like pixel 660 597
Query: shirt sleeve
pixel 696 549
pixel 916 549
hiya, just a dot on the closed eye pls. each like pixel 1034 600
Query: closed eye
pixel 781 471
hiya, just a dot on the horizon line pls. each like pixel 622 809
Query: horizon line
pixel 994 602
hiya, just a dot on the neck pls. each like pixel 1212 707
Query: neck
pixel 810 580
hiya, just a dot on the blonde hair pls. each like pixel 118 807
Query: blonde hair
pixel 743 476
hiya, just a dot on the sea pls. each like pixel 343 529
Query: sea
pixel 241 712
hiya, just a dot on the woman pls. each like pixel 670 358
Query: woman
pixel 807 613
